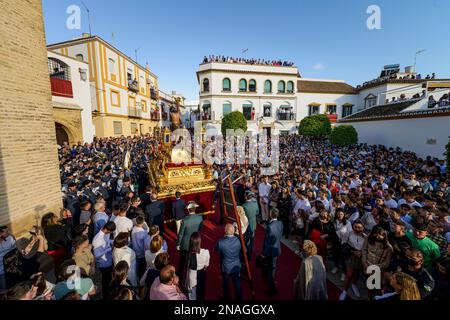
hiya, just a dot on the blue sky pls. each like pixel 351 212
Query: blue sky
pixel 325 38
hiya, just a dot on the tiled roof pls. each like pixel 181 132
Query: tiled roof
pixel 324 87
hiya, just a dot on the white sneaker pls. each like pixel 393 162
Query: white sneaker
pixel 343 277
pixel 334 270
pixel 343 296
pixel 356 291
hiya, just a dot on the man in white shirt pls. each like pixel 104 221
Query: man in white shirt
pixel 355 181
pixel 381 180
pixel 102 249
pixel 388 200
pixel 323 198
pixel 138 239
pixel 100 217
pixel 409 199
pixel 411 182
pixel 302 203
pixel 123 224
pixel 264 190
pixel 7 243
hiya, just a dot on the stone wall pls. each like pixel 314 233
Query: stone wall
pixel 29 173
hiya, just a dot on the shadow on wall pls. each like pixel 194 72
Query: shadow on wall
pixel 18 228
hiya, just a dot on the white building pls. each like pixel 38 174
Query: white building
pixel 265 94
pixel 272 98
pixel 71 98
pixel 413 124
pixel 124 93
pixel 190 113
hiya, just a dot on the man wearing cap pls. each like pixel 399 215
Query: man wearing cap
pixel 190 224
pixel 419 240
pixel 251 210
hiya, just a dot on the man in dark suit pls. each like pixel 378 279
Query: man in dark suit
pixel 146 197
pixel 178 210
pixel 190 224
pixel 272 249
pixel 229 248
pixel 154 212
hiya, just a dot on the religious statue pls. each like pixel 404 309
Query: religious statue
pixel 157 167
pixel 175 114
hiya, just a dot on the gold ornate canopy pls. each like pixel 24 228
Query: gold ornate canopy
pixel 186 178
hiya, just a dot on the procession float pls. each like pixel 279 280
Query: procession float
pixel 170 172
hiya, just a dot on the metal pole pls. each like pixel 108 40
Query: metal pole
pixel 89 17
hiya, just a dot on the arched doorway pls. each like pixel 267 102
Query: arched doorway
pixel 61 134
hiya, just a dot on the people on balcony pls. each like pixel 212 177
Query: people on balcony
pixel 431 102
pixel 275 63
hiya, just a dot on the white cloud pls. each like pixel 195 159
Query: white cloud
pixel 318 66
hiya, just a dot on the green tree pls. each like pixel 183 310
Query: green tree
pixel 315 125
pixel 234 120
pixel 344 135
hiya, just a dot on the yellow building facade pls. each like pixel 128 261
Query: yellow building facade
pixel 124 94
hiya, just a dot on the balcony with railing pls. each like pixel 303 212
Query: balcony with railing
pixel 332 117
pixel 133 85
pixel 60 81
pixel 153 94
pixel 286 116
pixel 61 87
pixel 155 115
pixel 134 112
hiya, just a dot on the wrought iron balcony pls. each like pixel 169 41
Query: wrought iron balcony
pixel 133 85
pixel 135 112
pixel 61 87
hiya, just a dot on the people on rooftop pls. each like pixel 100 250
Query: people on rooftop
pixel 277 63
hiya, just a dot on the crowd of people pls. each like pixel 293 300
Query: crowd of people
pixel 443 101
pixel 349 209
pixel 274 63
pixel 395 75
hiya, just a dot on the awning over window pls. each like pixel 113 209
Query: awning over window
pixel 314 104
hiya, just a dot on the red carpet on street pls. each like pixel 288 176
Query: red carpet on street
pixel 287 266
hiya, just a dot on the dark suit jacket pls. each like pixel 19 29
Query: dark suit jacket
pixel 190 224
pixel 272 239
pixel 155 211
pixel 145 200
pixel 178 209
pixel 229 249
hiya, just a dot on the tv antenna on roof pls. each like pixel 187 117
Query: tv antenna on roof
pixel 89 17
pixel 136 54
pixel 415 57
